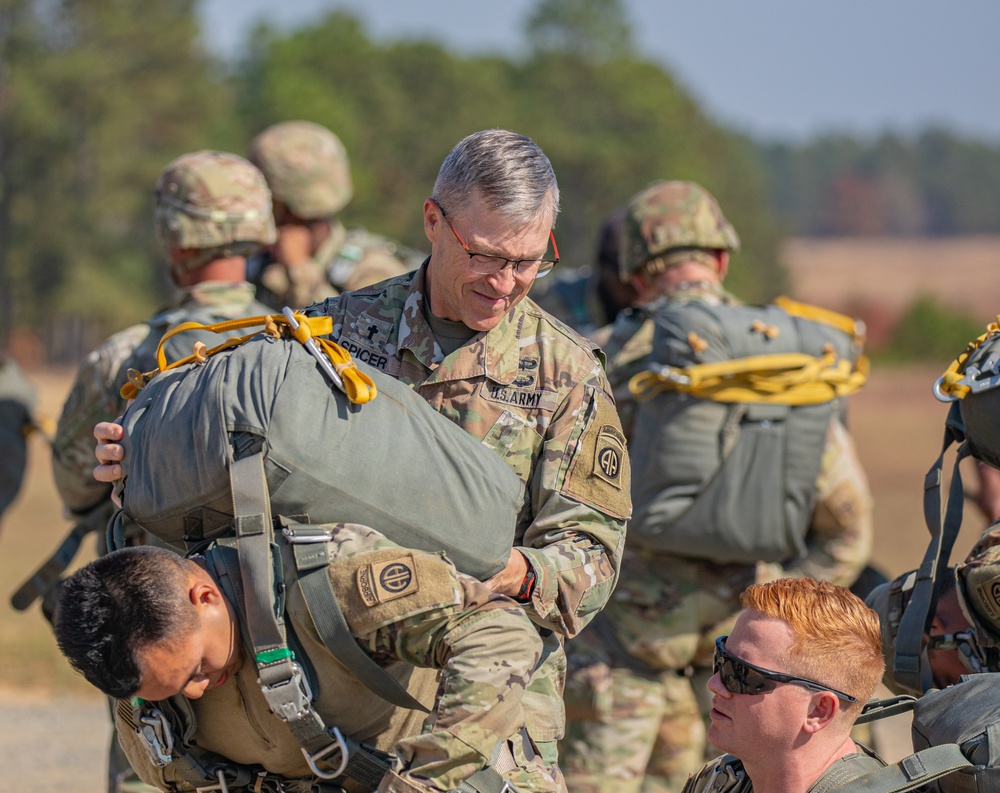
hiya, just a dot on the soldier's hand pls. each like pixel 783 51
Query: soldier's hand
pixel 108 452
pixel 508 581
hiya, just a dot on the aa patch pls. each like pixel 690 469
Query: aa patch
pixel 599 474
pixel 609 455
pixel 381 582
pixel 376 588
pixel 988 593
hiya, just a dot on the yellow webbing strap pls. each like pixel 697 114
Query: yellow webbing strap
pixel 782 379
pixel 949 383
pixel 358 386
pixel 852 327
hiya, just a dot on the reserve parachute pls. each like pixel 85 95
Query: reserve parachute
pixel 731 424
pixel 393 464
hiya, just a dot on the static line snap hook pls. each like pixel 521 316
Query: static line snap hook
pixel 940 395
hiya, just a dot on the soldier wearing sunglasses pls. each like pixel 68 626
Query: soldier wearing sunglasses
pixel 788 684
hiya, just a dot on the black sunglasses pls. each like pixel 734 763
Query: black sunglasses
pixel 739 677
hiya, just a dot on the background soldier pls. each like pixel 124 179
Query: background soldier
pixel 145 622
pixel 801 662
pixel 632 706
pixel 315 257
pixel 212 210
pixel 462 332
pixel 17 400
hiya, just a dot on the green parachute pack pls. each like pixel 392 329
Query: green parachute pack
pixel 392 463
pixel 731 424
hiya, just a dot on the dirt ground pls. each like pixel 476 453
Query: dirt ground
pixel 54 728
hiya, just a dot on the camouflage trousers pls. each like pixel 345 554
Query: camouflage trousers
pixel 635 710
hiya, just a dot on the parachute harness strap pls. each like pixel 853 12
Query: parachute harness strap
pixel 956 382
pixel 783 378
pixel 335 361
pixel 779 378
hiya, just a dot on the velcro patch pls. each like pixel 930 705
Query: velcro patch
pixel 599 474
pixel 378 587
pixel 385 581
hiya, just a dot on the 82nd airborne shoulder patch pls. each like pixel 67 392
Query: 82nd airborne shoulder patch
pixel 384 581
pixel 600 474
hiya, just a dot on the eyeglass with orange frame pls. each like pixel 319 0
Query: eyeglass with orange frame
pixel 488 264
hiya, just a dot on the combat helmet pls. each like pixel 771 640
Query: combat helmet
pixel 670 222
pixel 306 167
pixel 212 199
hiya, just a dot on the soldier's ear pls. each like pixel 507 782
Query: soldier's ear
pixel 723 263
pixel 204 593
pixel 824 707
pixel 432 220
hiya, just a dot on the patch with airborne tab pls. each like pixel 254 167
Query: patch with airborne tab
pixel 381 582
pixel 599 474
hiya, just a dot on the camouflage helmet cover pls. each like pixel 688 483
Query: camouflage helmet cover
pixel 306 167
pixel 210 199
pixel 672 217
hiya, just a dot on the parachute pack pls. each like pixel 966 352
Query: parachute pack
pixel 392 463
pixel 956 741
pixel 731 424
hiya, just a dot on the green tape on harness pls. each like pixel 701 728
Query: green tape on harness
pixel 270 656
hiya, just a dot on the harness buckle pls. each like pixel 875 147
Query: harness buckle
pixel 974 377
pixel 221 787
pixel 340 745
pixel 159 738
pixel 289 699
pixel 302 538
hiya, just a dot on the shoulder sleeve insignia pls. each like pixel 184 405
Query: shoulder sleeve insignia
pixel 381 582
pixel 378 587
pixel 600 474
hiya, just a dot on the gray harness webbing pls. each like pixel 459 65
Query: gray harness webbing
pixel 283 681
pixel 911 772
pixel 910 665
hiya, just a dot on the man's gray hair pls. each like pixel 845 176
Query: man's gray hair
pixel 509 170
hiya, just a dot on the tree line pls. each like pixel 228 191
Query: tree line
pixel 96 96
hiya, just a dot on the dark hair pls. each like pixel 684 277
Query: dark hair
pixel 117 605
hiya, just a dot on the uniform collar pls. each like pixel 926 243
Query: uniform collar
pixel 493 353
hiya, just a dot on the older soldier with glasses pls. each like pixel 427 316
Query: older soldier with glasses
pixel 789 683
pixel 461 331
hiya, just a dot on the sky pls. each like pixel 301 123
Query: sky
pixel 775 69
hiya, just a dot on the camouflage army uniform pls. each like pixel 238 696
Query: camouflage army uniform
pixel 635 689
pixel 447 621
pixel 536 395
pixel 95 394
pixel 17 400
pixel 726 774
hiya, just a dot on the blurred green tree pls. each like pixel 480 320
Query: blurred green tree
pixel 96 97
